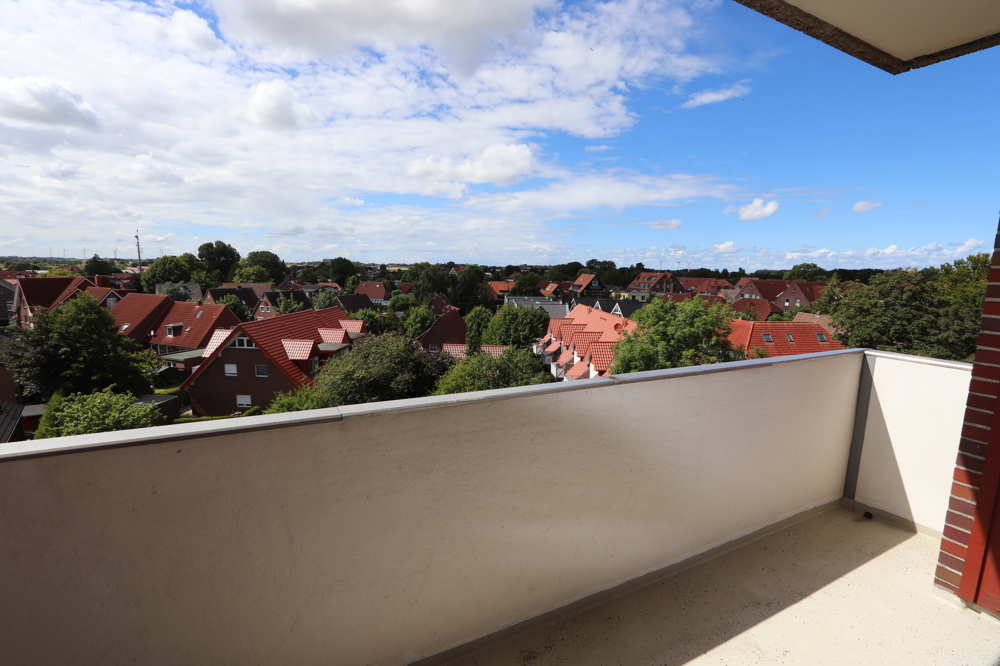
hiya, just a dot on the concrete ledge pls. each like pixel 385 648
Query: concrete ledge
pixel 898 521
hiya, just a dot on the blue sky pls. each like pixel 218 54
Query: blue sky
pixel 679 134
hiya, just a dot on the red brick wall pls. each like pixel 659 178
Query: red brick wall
pixel 214 394
pixel 972 495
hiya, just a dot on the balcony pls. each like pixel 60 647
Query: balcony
pixel 676 516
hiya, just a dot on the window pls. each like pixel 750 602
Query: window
pixel 230 370
pixel 262 309
pixel 433 348
pixel 244 342
pixel 260 370
pixel 313 365
pixel 786 302
pixel 112 301
pixel 768 338
pixel 200 313
pixel 821 337
pixel 242 401
pixel 789 336
pixel 123 327
pixel 798 301
pixel 171 364
pixel 174 329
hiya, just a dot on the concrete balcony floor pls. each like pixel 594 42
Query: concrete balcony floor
pixel 834 589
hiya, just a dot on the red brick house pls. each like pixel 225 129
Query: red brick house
pixel 377 291
pixel 786 294
pixel 265 308
pixel 760 308
pixel 168 326
pixel 585 285
pixel 249 365
pixel 498 288
pixel 704 286
pixel 34 294
pixel 565 340
pixel 354 302
pixel 246 295
pixel 440 304
pixel 781 338
pixel 651 282
pixel 447 329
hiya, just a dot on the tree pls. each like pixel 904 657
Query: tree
pixel 418 321
pixel 205 279
pixel 288 305
pixel 21 265
pixel 832 295
pixel 252 275
pixel 379 367
pixel 192 263
pixel 219 257
pixel 902 311
pixel 674 335
pixel 176 291
pixel 564 272
pixel 401 303
pixel 377 322
pixel 97 266
pixel 470 289
pixel 75 348
pixel 517 327
pixel 351 284
pixel 428 280
pixel 324 298
pixel 237 306
pixel 339 269
pixel 476 323
pixel 527 285
pixel 269 261
pixel 808 272
pixel 164 269
pixel 104 411
pixel 482 372
pixel 964 282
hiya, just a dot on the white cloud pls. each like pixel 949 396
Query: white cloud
pixel 821 213
pixel 756 210
pixel 192 31
pixel 272 104
pixel 148 169
pixel 809 245
pixel 666 224
pixel 718 95
pixel 501 163
pixel 45 101
pixel 968 247
pixel 597 149
pixel 865 206
pixel 726 248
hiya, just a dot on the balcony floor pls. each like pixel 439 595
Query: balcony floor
pixel 835 589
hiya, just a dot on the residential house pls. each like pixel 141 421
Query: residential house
pixel 652 282
pixel 17 275
pixel 351 303
pixel 585 285
pixel 556 289
pixel 448 329
pixel 266 306
pixel 767 290
pixel 122 281
pixel 440 304
pixel 406 288
pixel 499 288
pixel 460 351
pixel 34 294
pixel 138 315
pixel 799 294
pixel 258 288
pixel 7 289
pixel 704 286
pixel 562 352
pixel 618 307
pixel 554 308
pixel 193 290
pixel 456 270
pixel 248 365
pixel 245 294
pixel 781 338
pixel 378 292
pixel 760 308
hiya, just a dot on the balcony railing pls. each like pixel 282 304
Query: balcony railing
pixel 390 532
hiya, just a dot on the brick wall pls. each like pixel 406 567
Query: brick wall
pixel 214 394
pixel 973 493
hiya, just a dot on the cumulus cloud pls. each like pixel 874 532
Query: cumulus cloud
pixel 45 101
pixel 597 149
pixel 502 164
pixel 666 224
pixel 191 31
pixel 968 247
pixel 865 206
pixel 718 95
pixel 272 104
pixel 755 210
pixel 821 213
pixel 725 248
pixel 151 170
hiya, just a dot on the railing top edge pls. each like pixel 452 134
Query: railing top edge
pixel 187 431
pixel 922 360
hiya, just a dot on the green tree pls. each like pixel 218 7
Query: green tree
pixel 104 411
pixel 401 303
pixel 351 284
pixel 517 327
pixel 75 348
pixel 219 257
pixel 808 272
pixel 237 306
pixel 252 275
pixel 267 260
pixel 164 269
pixel 192 263
pixel 339 269
pixel 832 295
pixel 288 305
pixel 470 289
pixel 176 291
pixel 205 279
pixel 527 285
pixel 97 266
pixel 901 311
pixel 673 335
pixel 418 321
pixel 481 372
pixel 379 367
pixel 564 272
pixel 377 322
pixel 476 323
pixel 428 280
pixel 964 282
pixel 21 265
pixel 324 298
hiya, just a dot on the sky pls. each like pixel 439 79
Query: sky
pixel 680 134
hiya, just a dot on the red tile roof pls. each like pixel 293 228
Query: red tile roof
pixel 699 285
pixel 440 304
pixel 768 289
pixel 564 358
pixel 810 318
pixel 374 290
pixel 599 354
pixel 335 336
pixel 553 346
pixel 578 371
pixel 763 309
pixel 269 334
pixel 197 321
pixel 353 325
pixel 137 315
pixel 580 341
pixel 804 337
pixel 300 350
pixel 219 336
pixel 581 283
pixel 449 328
pixel 460 351
pixel 555 323
pixel 611 326
pixel 47 292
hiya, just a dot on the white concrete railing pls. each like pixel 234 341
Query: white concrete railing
pixel 380 534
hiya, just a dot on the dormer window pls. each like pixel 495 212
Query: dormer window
pixel 123 327
pixel 244 343
pixel 789 336
pixel 768 338
pixel 821 337
pixel 200 313
pixel 174 329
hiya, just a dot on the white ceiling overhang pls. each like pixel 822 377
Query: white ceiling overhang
pixel 893 35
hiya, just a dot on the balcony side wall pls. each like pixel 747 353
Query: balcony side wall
pixel 911 435
pixel 403 529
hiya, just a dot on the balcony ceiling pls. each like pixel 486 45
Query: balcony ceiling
pixel 893 35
